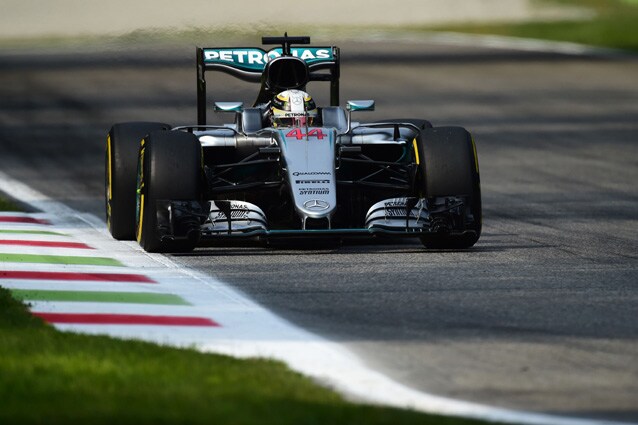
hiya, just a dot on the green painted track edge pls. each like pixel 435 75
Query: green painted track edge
pixel 58 259
pixel 33 232
pixel 98 296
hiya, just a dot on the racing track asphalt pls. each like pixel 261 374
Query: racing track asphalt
pixel 541 315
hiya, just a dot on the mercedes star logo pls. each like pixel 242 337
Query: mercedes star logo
pixel 316 205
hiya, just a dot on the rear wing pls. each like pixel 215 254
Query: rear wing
pixel 248 64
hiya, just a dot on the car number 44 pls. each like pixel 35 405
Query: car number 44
pixel 298 134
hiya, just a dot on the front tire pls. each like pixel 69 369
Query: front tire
pixel 170 168
pixel 122 147
pixel 448 166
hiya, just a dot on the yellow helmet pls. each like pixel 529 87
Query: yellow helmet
pixel 293 108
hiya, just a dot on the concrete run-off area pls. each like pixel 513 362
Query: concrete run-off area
pixel 25 19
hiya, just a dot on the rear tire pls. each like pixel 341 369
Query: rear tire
pixel 122 147
pixel 170 168
pixel 449 167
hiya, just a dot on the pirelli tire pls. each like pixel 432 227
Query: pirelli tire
pixel 122 147
pixel 169 168
pixel 448 166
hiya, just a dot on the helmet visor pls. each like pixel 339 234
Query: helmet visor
pixel 293 121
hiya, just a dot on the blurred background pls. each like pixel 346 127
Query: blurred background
pixel 55 22
pixel 37 18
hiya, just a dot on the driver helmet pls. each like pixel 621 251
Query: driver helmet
pixel 293 108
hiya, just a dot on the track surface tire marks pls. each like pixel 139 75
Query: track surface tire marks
pixel 540 316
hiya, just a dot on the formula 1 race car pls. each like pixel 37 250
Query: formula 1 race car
pixel 285 169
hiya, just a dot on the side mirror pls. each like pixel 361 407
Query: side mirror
pixel 357 105
pixel 229 107
pixel 360 105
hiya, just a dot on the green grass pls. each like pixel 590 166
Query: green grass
pixel 614 26
pixel 6 205
pixel 60 378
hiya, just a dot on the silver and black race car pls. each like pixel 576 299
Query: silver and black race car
pixel 285 169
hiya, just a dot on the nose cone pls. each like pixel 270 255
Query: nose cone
pixel 310 162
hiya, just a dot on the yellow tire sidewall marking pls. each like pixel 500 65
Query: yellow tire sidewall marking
pixel 109 183
pixel 139 228
pixel 140 220
pixel 475 155
pixel 416 152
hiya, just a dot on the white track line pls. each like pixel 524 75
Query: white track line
pixel 248 329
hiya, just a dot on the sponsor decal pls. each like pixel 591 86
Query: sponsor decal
pixel 314 191
pixel 316 205
pixel 238 211
pixel 312 181
pixel 234 214
pixel 311 173
pixel 396 212
pixel 254 59
pixel 394 204
pixel 398 208
pixel 233 206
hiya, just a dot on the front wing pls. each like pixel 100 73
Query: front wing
pixel 234 220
